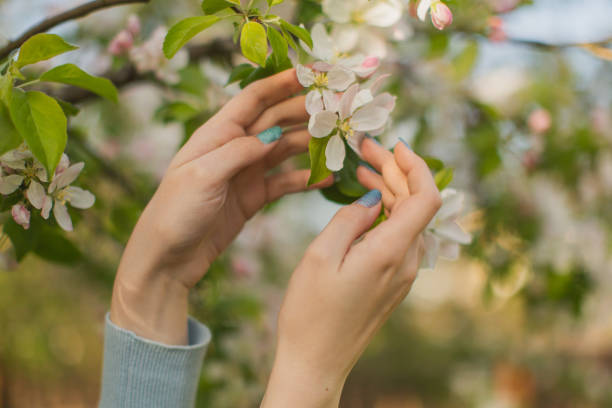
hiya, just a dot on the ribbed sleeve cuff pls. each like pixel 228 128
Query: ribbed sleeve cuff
pixel 140 373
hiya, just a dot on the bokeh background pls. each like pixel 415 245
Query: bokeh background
pixel 510 97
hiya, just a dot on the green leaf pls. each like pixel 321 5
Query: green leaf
pixel 240 72
pixel 347 177
pixel 68 108
pixel 42 124
pixel 279 45
pixel 23 241
pixel 70 74
pixel 433 163
pixel 299 32
pixel 318 168
pixel 464 62
pixel 41 47
pixel 53 246
pixel 271 68
pixel 214 6
pixel 308 11
pixel 333 194
pixel 443 178
pixel 9 137
pixel 272 3
pixel 254 43
pixel 184 31
pixel 176 112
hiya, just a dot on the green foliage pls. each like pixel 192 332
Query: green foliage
pixel 42 124
pixel 279 45
pixel 70 74
pixel 214 6
pixel 240 72
pixel 274 2
pixel 10 138
pixel 254 43
pixel 443 178
pixel 299 32
pixel 318 168
pixel 185 30
pixel 42 47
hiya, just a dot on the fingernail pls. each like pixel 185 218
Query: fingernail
pixel 405 143
pixel 370 199
pixel 270 135
pixel 367 166
pixel 372 138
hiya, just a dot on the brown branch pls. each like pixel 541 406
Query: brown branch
pixel 72 14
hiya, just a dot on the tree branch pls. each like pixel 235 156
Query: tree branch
pixel 72 14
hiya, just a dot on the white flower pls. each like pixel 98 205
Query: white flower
pixel 21 215
pixel 37 196
pixel 443 235
pixel 379 13
pixel 10 183
pixel 22 160
pixel 149 57
pixel 347 117
pixel 317 80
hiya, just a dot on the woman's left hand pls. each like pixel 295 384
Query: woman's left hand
pixel 215 183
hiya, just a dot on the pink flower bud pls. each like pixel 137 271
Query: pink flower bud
pixel 133 25
pixel 121 44
pixel 539 121
pixel 441 15
pixel 496 30
pixel 503 6
pixel 21 215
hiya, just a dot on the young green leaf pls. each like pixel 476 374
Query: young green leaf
pixel 272 3
pixel 42 124
pixel 299 32
pixel 240 72
pixel 70 74
pixel 214 6
pixel 279 45
pixel 9 137
pixel 41 47
pixel 184 31
pixel 443 178
pixel 318 169
pixel 68 108
pixel 254 43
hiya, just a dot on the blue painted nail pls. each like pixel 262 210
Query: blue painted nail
pixel 370 199
pixel 367 166
pixel 270 135
pixel 405 143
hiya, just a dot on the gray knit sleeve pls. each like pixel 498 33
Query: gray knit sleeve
pixel 139 373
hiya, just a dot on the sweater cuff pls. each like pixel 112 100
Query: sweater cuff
pixel 141 373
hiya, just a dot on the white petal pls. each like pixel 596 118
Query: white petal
pixel 62 217
pixel 453 232
pixel 46 208
pixel 367 67
pixel 41 173
pixel 383 13
pixel 449 250
pixel 36 194
pixel 363 97
pixel 80 198
pixel 432 245
pixel 66 177
pixel 338 11
pixel 345 38
pixel 305 76
pixel 346 103
pixel 375 84
pixel 423 8
pixel 10 184
pixel 339 78
pixel 314 102
pixel 331 100
pixel 322 66
pixel 322 123
pixel 369 118
pixel 355 141
pixel 335 153
pixel 63 164
pixel 323 47
pixel 452 205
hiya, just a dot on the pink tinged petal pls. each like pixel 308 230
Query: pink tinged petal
pixel 322 123
pixel 432 246
pixel 452 231
pixel 41 173
pixel 133 25
pixel 355 142
pixel 323 47
pixel 339 79
pixel 449 250
pixel 369 118
pixel 21 215
pixel 36 195
pixel 368 67
pixel 378 132
pixel 441 15
pixel 322 66
pixel 121 43
pixel 385 100
pixel 335 153
pixel 46 208
pixel 66 177
pixel 305 76
pixel 383 13
pixel 423 8
pixel 363 97
pixel 10 184
pixel 314 102
pixel 62 217
pixel 80 198
pixel 346 103
pixel 14 164
pixel 63 164
pixel 377 83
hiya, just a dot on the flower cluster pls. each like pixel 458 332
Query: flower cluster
pixel 21 173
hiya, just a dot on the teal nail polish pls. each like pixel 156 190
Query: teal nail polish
pixel 405 143
pixel 370 199
pixel 270 135
pixel 367 166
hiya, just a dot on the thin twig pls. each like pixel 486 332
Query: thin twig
pixel 72 14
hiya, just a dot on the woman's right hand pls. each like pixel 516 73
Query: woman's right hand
pixel 346 288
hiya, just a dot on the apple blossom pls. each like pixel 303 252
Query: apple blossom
pixel 441 15
pixel 496 29
pixel 10 183
pixel 21 215
pixel 443 235
pixel 121 43
pixel 318 80
pixel 149 57
pixel 379 13
pixel 539 121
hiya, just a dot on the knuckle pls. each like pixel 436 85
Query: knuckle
pixel 315 256
pixel 436 200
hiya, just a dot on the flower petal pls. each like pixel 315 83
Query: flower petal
pixel 449 250
pixel 305 76
pixel 363 97
pixel 335 153
pixel 36 194
pixel 66 177
pixel 432 246
pixel 46 208
pixel 346 103
pixel 345 38
pixel 21 215
pixel 314 102
pixel 10 184
pixel 385 100
pixel 339 78
pixel 369 118
pixel 423 8
pixel 338 11
pixel 62 217
pixel 323 47
pixel 452 231
pixel 322 123
pixel 80 198
pixel 383 13
pixel 452 204
pixel 331 100
pixel 355 141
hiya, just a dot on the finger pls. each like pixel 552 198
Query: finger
pixel 419 177
pixel 348 224
pixel 289 112
pixel 245 108
pixel 383 161
pixel 374 181
pixel 291 144
pixel 279 185
pixel 225 162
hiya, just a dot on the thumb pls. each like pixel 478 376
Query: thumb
pixel 348 224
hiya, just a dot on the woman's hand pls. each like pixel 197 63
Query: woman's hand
pixel 215 183
pixel 346 288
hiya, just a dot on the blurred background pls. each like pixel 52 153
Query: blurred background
pixel 515 96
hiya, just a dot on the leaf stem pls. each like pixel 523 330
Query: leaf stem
pixel 32 82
